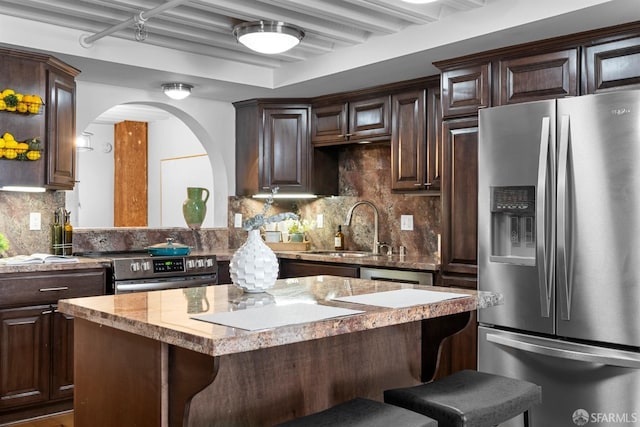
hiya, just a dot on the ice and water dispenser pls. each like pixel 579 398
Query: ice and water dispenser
pixel 513 233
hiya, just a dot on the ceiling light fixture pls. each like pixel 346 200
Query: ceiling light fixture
pixel 83 142
pixel 268 36
pixel 420 1
pixel 177 90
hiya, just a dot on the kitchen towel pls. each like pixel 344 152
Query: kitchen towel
pixel 273 316
pixel 401 298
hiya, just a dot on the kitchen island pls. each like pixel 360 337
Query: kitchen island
pixel 141 359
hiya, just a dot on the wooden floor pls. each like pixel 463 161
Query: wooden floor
pixel 60 420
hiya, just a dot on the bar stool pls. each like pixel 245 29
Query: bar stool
pixel 361 412
pixel 469 399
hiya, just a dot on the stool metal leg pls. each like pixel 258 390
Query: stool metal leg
pixel 526 418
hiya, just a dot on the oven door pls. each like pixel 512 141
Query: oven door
pixel 157 284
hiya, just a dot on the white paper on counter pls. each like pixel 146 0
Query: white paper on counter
pixel 401 298
pixel 273 316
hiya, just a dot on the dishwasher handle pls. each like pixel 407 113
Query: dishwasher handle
pixel 576 353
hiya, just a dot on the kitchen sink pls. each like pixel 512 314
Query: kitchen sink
pixel 343 254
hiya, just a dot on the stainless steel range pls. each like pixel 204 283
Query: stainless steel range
pixel 141 272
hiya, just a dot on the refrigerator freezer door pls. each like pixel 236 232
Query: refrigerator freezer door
pixel 517 151
pixel 599 218
pixel 577 380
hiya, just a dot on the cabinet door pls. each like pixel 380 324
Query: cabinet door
pixel 434 139
pixel 460 197
pixel 61 356
pixel 61 119
pixel 465 90
pixel 24 355
pixel 347 122
pixel 408 141
pixel 329 123
pixel 533 78
pixel 611 65
pixel 370 119
pixel 285 150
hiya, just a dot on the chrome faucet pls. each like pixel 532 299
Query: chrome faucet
pixel 376 248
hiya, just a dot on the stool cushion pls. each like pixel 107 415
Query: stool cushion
pixel 468 398
pixel 361 412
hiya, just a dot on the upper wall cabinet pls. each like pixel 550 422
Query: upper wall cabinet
pixel 537 77
pixel 53 123
pixel 610 64
pixel 273 149
pixel 351 121
pixel 61 132
pixel 415 140
pixel 466 89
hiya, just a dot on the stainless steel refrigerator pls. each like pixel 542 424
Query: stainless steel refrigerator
pixel 559 237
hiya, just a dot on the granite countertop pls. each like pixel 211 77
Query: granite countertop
pixel 83 263
pixel 164 316
pixel 407 262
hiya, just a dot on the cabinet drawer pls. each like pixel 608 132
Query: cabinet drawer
pixel 47 288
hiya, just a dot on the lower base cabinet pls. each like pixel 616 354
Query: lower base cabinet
pixel 36 341
pixel 291 268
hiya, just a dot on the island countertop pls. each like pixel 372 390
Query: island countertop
pixel 166 316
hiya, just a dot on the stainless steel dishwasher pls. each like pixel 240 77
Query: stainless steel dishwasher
pixel 404 276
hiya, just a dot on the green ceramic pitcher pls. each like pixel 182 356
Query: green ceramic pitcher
pixel 194 208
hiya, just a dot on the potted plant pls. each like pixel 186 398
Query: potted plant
pixel 297 229
pixel 4 245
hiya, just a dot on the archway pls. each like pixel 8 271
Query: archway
pixel 219 186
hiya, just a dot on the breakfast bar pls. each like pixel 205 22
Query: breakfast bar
pixel 202 357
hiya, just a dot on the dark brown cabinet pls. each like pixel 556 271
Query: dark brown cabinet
pixel 532 78
pixel 273 149
pixel 611 64
pixel 466 89
pixel 61 130
pixel 459 202
pixel 25 346
pixel 36 341
pixel 54 82
pixel 351 121
pixel 415 140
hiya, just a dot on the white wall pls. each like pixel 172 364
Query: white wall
pixel 172 168
pixel 93 194
pixel 211 122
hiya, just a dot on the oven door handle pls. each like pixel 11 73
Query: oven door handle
pixel 140 286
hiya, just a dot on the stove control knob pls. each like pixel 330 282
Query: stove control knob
pixel 209 262
pixel 200 263
pixel 146 266
pixel 135 266
pixel 191 264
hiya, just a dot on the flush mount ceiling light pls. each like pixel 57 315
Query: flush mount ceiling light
pixel 177 90
pixel 83 142
pixel 268 36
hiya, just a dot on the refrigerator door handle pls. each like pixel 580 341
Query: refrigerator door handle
pixel 564 282
pixel 610 359
pixel 544 250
